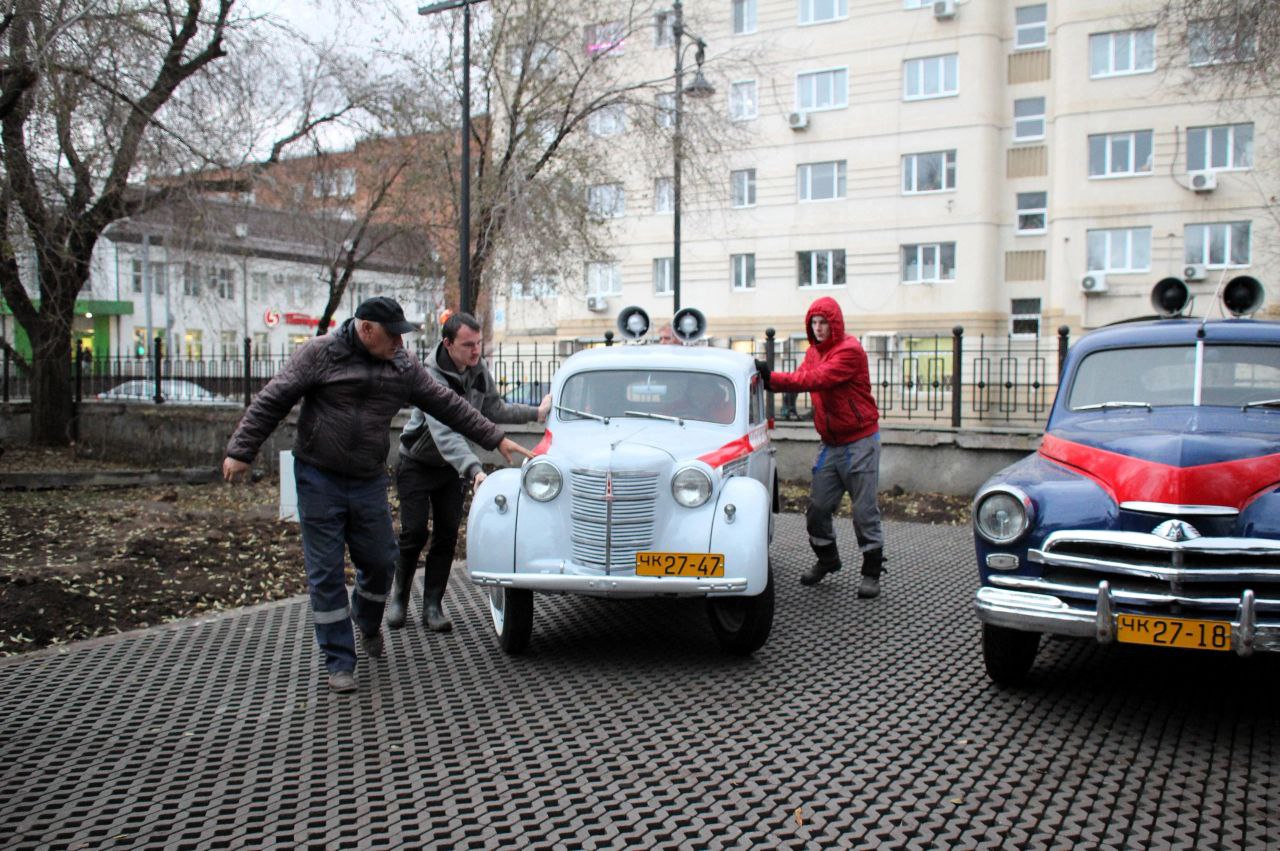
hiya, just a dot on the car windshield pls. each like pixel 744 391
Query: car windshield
pixel 1164 376
pixel 702 396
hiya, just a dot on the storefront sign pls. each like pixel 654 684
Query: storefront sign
pixel 271 317
pixel 304 319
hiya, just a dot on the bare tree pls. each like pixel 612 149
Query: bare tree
pixel 1233 43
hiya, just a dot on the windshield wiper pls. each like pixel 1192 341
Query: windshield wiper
pixel 649 416
pixel 1261 403
pixel 562 409
pixel 1102 406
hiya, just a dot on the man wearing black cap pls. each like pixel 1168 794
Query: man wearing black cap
pixel 351 383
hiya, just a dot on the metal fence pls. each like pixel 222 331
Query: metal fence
pixel 946 378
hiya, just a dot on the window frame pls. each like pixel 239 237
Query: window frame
pixel 1134 69
pixel 748 187
pixel 804 181
pixel 734 100
pixel 750 21
pixel 747 261
pixel 610 268
pixel 616 210
pixel 663 272
pixel 944 92
pixel 1232 146
pixel 1108 141
pixel 1216 59
pixel 610 38
pixel 1020 28
pixel 949 171
pixel 1024 316
pixel 664 32
pixel 1110 268
pixel 1041 117
pixel 1042 211
pixel 842 102
pixel 832 255
pixel 664 188
pixel 919 249
pixel 841 7
pixel 1228 245
pixel 600 121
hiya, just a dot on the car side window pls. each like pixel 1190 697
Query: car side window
pixel 755 414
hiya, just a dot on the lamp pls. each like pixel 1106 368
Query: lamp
pixel 698 87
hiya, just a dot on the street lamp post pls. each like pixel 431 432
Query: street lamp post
pixel 464 217
pixel 699 87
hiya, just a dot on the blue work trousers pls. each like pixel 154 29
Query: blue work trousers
pixel 337 511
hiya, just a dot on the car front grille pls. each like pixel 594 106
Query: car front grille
pixel 612 529
pixel 1151 571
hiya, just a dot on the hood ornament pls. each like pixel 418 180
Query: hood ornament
pixel 1176 530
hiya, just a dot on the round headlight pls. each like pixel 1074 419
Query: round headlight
pixel 1001 517
pixel 691 487
pixel 542 481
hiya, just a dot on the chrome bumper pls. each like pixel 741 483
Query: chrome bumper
pixel 588 584
pixel 1040 612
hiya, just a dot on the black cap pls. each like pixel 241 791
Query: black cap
pixel 387 313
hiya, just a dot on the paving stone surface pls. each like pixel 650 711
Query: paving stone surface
pixel 860 724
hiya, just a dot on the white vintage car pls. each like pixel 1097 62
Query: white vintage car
pixel 655 478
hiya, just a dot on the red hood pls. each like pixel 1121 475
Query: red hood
pixel 828 309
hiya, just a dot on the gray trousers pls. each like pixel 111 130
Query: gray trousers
pixel 853 468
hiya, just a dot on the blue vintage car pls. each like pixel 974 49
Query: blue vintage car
pixel 1151 512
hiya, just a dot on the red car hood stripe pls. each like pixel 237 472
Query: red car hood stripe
pixel 544 444
pixel 735 449
pixel 1128 479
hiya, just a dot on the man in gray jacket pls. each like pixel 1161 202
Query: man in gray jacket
pixel 436 465
pixel 351 383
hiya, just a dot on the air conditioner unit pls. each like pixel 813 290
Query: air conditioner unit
pixel 1204 181
pixel 944 10
pixel 798 120
pixel 597 303
pixel 1194 272
pixel 1094 282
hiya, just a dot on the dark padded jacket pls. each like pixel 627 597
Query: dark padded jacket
pixel 838 378
pixel 348 399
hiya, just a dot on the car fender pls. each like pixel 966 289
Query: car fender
pixel 491 528
pixel 744 541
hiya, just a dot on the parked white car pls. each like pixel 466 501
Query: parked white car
pixel 655 477
pixel 176 391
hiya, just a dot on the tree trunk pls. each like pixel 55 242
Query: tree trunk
pixel 50 384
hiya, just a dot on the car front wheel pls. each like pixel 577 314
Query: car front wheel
pixel 742 624
pixel 1008 653
pixel 512 613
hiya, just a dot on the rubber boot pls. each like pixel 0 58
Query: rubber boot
pixel 433 616
pixel 828 562
pixel 872 567
pixel 398 601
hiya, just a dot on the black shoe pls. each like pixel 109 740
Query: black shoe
pixel 373 645
pixel 828 562
pixel 872 567
pixel 398 601
pixel 869 587
pixel 434 618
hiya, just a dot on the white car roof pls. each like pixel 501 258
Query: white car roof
pixel 655 356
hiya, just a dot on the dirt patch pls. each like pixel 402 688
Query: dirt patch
pixel 81 563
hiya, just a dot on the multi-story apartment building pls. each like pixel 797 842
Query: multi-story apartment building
pixel 1005 165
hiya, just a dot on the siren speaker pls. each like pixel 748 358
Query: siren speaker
pixel 688 324
pixel 1243 295
pixel 633 322
pixel 1170 297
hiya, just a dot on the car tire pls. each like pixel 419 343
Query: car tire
pixel 742 624
pixel 1008 653
pixel 512 612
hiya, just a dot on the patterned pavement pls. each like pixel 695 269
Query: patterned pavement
pixel 860 724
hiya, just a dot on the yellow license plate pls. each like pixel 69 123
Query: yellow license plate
pixel 1173 632
pixel 679 564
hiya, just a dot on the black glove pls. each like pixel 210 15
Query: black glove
pixel 762 367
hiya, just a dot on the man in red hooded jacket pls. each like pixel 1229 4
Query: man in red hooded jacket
pixel 836 375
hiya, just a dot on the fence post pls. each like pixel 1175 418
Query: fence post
pixel 770 344
pixel 75 407
pixel 957 377
pixel 248 371
pixel 158 353
pixel 1063 332
pixel 608 338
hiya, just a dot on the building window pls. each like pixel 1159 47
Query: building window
pixel 298 291
pixel 226 284
pixel 193 345
pixel 1028 119
pixel 820 181
pixel 1226 146
pixel 664 195
pixel 604 38
pixel 930 77
pixel 229 345
pixel 608 120
pixel 259 291
pixel 929 263
pixel 1120 154
pixel 157 277
pixel 742 185
pixel 607 201
pixel 742 270
pixel 820 11
pixel 604 278
pixel 1031 27
pixel 665 104
pixel 340 183
pixel 820 268
pixel 191 279
pixel 817 90
pixel 1119 250
pixel 1222 245
pixel 931 172
pixel 261 342
pixel 1024 318
pixel 1033 212
pixel 744 17
pixel 1117 53
pixel 662 269
pixel 664 28
pixel 534 288
pixel 1220 40
pixel 742 100
pixel 916 4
